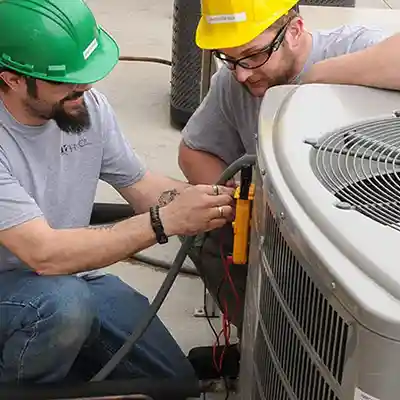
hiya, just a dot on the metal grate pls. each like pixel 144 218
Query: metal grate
pixel 360 165
pixel 269 383
pixel 186 60
pixel 294 316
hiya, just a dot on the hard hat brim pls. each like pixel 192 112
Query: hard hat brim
pixel 224 36
pixel 100 64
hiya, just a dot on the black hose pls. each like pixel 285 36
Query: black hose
pixel 146 59
pixel 166 286
pixel 164 264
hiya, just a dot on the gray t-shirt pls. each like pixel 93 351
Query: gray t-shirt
pixel 226 122
pixel 50 173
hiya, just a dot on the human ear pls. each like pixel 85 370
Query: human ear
pixel 12 80
pixel 294 32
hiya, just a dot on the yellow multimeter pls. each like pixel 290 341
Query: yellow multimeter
pixel 244 196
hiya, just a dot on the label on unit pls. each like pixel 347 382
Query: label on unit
pixel 360 395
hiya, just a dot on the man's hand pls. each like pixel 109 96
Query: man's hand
pixel 198 209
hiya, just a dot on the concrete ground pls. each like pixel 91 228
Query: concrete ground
pixel 140 94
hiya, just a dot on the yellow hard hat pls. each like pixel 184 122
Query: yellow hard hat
pixel 232 23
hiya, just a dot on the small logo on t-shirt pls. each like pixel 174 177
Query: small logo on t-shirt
pixel 72 147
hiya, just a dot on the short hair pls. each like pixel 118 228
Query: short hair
pixel 3 86
pixel 282 21
pixel 30 82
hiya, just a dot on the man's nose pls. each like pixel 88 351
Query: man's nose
pixel 80 87
pixel 84 87
pixel 242 74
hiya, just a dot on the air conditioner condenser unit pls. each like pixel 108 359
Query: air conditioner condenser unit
pixel 322 319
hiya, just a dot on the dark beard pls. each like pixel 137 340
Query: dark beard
pixel 76 123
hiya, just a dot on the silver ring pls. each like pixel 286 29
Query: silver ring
pixel 216 190
pixel 221 212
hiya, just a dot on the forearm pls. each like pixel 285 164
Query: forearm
pixel 153 189
pixel 200 167
pixel 70 251
pixel 52 251
pixel 376 66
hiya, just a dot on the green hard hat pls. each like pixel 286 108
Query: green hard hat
pixel 56 40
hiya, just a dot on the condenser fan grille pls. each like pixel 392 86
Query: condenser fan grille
pixel 360 165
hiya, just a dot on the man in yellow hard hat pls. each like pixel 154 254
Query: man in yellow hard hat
pixel 263 43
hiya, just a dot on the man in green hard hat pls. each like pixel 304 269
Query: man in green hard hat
pixel 58 137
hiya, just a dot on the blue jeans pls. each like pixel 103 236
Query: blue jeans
pixel 56 328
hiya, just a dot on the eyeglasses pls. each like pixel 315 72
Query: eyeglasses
pixel 70 86
pixel 258 59
pixel 62 85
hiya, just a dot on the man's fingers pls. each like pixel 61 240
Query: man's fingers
pixel 226 190
pixel 222 212
pixel 231 184
pixel 220 200
pixel 215 190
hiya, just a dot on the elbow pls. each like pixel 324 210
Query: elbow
pixel 36 245
pixel 44 260
pixel 199 166
pixel 41 262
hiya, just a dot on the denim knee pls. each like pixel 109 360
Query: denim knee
pixel 71 311
pixel 50 321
